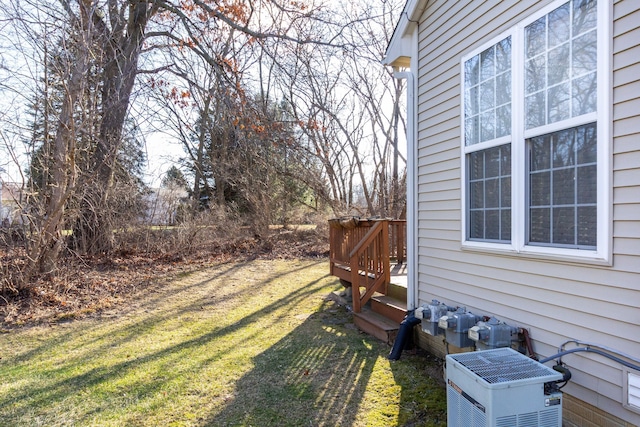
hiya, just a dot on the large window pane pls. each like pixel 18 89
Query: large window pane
pixel 487 97
pixel 563 189
pixel 557 79
pixel 489 194
pixel 560 69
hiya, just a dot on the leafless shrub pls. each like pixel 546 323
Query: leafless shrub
pixel 13 273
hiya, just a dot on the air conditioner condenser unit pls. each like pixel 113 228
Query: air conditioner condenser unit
pixel 501 388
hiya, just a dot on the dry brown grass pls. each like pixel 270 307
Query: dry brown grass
pixel 84 286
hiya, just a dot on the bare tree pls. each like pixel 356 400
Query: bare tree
pixel 278 84
pixel 59 145
pixel 381 98
pixel 349 110
pixel 110 38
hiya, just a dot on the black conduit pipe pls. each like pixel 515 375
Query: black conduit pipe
pixel 406 329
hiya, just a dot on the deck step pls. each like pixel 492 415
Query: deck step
pixel 389 307
pixel 397 291
pixel 377 325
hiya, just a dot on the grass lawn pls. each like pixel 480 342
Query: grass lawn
pixel 238 344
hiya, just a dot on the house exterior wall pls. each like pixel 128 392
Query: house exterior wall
pixel 556 300
pixel 11 196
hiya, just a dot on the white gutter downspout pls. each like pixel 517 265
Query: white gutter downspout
pixel 412 211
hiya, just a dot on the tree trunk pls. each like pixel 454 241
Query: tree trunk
pixel 94 231
pixel 200 154
pixel 48 246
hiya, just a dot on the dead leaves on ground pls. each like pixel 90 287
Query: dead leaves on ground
pixel 86 286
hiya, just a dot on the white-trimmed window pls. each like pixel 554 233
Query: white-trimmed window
pixel 535 135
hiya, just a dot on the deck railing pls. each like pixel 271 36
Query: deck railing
pixel 360 253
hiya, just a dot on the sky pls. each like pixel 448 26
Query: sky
pixel 162 153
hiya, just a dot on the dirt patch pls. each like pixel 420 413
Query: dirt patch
pixel 86 286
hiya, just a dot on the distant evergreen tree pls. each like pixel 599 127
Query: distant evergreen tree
pixel 175 177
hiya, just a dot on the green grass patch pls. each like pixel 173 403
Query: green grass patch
pixel 239 344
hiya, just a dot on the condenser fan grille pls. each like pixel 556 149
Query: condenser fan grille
pixel 503 365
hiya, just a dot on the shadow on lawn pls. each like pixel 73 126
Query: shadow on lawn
pixel 311 377
pixel 423 396
pixel 321 375
pixel 54 392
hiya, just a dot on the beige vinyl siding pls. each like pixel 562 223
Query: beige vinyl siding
pixel 555 300
pixel 623 110
pixel 626 212
pixel 626 195
pixel 627 161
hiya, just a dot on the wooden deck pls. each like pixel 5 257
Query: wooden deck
pixel 399 274
pixel 369 257
pixel 361 254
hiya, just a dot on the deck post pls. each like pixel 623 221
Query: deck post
pixel 355 284
pixel 385 256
